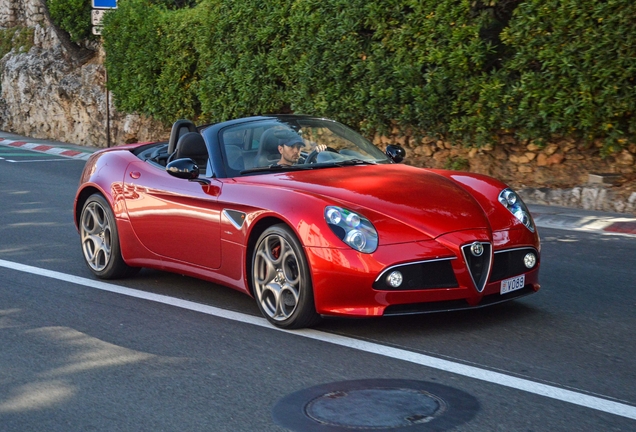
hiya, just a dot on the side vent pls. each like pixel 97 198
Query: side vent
pixel 237 218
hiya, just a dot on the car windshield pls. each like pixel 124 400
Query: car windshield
pixel 253 147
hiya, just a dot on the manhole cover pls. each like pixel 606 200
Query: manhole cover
pixel 375 408
pixel 382 404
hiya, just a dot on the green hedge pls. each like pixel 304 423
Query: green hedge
pixel 466 70
pixel 240 45
pixel 374 63
pixel 571 70
pixel 72 16
pixel 576 68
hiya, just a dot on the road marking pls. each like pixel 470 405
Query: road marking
pixel 45 148
pixel 564 395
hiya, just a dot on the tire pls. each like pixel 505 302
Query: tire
pixel 281 280
pixel 100 240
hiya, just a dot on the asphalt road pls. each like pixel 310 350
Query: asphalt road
pixel 163 352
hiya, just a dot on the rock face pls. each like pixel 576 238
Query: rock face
pixel 45 93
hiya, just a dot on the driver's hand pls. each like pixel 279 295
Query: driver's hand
pixel 320 147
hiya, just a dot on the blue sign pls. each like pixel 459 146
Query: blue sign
pixel 104 4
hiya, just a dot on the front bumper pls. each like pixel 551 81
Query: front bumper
pixel 350 283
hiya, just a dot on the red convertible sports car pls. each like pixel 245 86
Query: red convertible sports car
pixel 309 218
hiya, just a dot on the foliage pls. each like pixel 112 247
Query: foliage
pixel 240 45
pixel 457 164
pixel 176 4
pixel 132 39
pixel 20 38
pixel 325 59
pixel 463 69
pixel 570 72
pixel 576 65
pixel 72 16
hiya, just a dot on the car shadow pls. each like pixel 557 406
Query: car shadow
pixel 507 314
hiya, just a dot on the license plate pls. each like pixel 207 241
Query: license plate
pixel 512 284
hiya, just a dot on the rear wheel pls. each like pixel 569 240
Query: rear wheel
pixel 100 240
pixel 281 280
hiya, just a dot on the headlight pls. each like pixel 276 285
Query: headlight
pixel 510 200
pixel 351 228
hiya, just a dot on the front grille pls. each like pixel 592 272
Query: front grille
pixel 421 275
pixel 478 265
pixel 509 263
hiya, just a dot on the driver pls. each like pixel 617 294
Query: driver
pixel 290 150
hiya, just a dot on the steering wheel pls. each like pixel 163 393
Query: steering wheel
pixel 314 153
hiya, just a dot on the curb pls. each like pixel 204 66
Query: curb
pixel 45 148
pixel 582 220
pixel 590 197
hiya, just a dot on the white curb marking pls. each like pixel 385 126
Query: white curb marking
pixel 48 149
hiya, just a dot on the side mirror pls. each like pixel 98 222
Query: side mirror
pixel 395 152
pixel 184 169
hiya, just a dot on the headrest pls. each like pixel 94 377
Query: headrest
pixel 191 144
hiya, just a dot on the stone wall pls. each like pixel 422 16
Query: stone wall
pixel 27 12
pixel 46 94
pixel 560 172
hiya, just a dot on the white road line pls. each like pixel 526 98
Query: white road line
pixel 526 385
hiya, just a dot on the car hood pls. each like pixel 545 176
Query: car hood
pixel 420 198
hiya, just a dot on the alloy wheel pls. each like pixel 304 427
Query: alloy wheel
pixel 95 231
pixel 277 277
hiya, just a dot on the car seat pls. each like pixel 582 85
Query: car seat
pixel 191 145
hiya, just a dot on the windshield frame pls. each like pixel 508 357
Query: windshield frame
pixel 240 145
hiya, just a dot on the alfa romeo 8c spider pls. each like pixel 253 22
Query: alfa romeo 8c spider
pixel 338 228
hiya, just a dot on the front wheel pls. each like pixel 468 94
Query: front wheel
pixel 100 240
pixel 281 280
